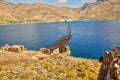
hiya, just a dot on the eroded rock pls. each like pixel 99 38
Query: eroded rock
pixel 45 50
pixel 14 48
pixel 65 50
pixel 110 69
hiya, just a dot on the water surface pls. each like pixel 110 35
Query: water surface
pixel 90 39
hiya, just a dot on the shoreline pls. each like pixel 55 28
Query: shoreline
pixel 36 22
pixel 17 47
pixel 63 21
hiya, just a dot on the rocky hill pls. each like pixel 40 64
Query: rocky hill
pixel 33 12
pixel 38 12
pixel 102 9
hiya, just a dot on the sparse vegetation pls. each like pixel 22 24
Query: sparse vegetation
pixel 52 68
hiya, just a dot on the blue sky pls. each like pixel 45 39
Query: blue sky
pixel 63 3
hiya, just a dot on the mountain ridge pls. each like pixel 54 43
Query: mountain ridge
pixel 38 12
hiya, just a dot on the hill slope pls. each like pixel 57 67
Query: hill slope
pixel 102 9
pixel 35 12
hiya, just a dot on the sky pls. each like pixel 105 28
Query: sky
pixel 61 3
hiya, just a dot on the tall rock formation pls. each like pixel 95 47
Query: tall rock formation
pixel 110 69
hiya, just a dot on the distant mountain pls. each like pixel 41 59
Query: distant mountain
pixel 108 0
pixel 34 12
pixel 102 9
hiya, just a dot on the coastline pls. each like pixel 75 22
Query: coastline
pixel 36 22
pixel 62 21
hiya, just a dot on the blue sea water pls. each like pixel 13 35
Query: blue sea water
pixel 90 39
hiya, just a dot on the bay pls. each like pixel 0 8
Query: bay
pixel 90 39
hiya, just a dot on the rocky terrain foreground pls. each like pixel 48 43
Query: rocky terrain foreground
pixel 18 63
pixel 38 12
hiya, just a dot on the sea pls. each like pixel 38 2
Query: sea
pixel 90 38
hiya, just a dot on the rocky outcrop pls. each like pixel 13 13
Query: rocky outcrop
pixel 14 48
pixel 66 50
pixel 45 50
pixel 110 69
pixel 39 55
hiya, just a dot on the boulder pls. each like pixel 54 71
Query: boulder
pixel 110 68
pixel 5 47
pixel 39 56
pixel 56 50
pixel 45 50
pixel 65 50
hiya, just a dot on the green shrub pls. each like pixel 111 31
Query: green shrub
pixel 10 76
pixel 96 63
pixel 40 77
pixel 48 66
pixel 81 72
pixel 1 68
pixel 92 70
pixel 61 69
pixel 92 78
pixel 86 63
pixel 25 76
pixel 70 74
pixel 65 78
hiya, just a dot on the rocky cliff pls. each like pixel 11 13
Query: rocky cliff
pixel 110 69
pixel 38 12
